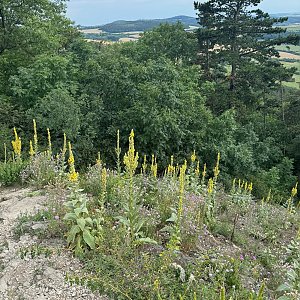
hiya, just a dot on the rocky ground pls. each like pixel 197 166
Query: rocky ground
pixel 43 276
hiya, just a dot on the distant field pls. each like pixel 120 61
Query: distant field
pixel 292 27
pixel 289 48
pixel 91 31
pixel 289 55
pixel 295 64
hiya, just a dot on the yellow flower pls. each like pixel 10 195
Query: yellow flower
pixel 216 169
pixel 204 172
pixel 171 168
pixel 153 166
pixel 35 137
pixel 73 177
pixel 98 160
pixel 17 144
pixel 193 156
pixel 250 187
pixel 294 190
pixel 131 157
pixel 210 187
pixel 49 142
pixel 197 170
pixel 31 150
pixel 144 166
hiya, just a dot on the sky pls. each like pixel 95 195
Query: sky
pixel 98 12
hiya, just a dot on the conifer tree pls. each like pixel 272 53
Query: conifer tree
pixel 237 33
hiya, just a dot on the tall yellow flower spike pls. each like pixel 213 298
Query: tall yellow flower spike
pixel 17 145
pixel 216 169
pixel 153 166
pixel 144 165
pixel 250 187
pixel 31 150
pixel 197 170
pixel 193 157
pixel 131 157
pixel 73 175
pixel 204 173
pixel 49 142
pixel 171 167
pixel 294 190
pixel 35 137
pixel 210 187
pixel 98 160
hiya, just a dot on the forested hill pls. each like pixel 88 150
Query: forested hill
pixel 143 25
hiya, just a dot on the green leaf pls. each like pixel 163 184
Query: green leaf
pixel 173 218
pixel 146 241
pixel 89 239
pixel 72 234
pixel 283 287
pixel 70 216
pixel 124 221
pixel 81 223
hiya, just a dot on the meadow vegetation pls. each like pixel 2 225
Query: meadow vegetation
pixel 200 201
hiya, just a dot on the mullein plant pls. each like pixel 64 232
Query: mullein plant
pixel 290 202
pixel 242 190
pixel 35 137
pixel 17 146
pixel 118 153
pixel 73 175
pixel 144 166
pixel 153 167
pixel 175 240
pixel 132 220
pixel 103 187
pixel 49 150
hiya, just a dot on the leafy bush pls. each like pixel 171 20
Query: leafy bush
pixel 10 172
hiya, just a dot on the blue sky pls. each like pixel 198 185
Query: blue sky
pixel 97 12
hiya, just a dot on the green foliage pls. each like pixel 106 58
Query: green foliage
pixel 85 230
pixel 10 172
pixel 43 170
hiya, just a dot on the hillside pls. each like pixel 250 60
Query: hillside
pixel 143 25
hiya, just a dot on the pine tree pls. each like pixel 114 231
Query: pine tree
pixel 236 33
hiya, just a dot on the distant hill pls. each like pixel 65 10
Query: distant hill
pixel 121 26
pixel 143 25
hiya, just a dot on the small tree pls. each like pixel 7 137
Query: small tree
pixel 234 33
